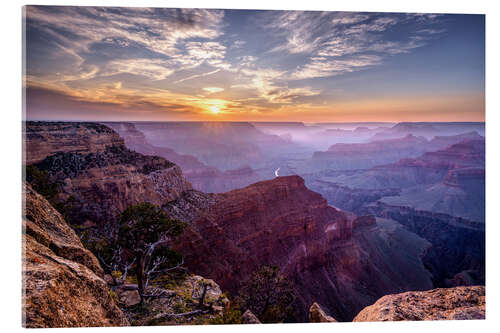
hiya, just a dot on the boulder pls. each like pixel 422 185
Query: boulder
pixel 459 303
pixel 317 315
pixel 128 297
pixel 197 284
pixel 249 318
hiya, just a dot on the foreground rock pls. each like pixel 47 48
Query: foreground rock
pixel 177 303
pixel 62 281
pixel 317 315
pixel 460 303
pixel 249 318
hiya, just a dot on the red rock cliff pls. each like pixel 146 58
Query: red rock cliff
pixel 98 176
pixel 271 222
pixel 62 281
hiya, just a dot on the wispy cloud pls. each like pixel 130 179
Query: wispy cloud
pixel 213 90
pixel 340 42
pixel 324 67
pixel 198 76
pixel 157 29
pixel 155 69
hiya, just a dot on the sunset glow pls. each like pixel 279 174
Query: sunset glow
pixel 98 63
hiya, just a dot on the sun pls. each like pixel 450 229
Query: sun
pixel 214 109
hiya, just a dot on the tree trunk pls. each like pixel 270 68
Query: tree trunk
pixel 140 275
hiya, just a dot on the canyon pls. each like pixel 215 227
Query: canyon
pixel 342 259
pixel 202 177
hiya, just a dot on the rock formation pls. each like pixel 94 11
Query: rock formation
pixel 62 281
pixel 97 183
pixel 460 303
pixel 43 139
pixel 317 315
pixel 282 222
pixel 271 222
pixel 249 318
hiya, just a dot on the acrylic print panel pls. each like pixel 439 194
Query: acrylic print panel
pixel 194 166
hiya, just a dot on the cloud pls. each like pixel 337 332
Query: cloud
pixel 87 50
pixel 206 50
pixel 339 43
pixel 288 95
pixel 155 69
pixel 348 18
pixel 103 41
pixel 238 44
pixel 198 75
pixel 264 82
pixel 213 90
pixel 157 29
pixel 323 67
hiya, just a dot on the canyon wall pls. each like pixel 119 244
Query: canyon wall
pixel 342 262
pixel 63 283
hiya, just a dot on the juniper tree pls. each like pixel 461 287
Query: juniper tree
pixel 145 233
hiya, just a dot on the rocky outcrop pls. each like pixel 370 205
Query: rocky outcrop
pixel 43 139
pixel 272 222
pixel 249 318
pixel 281 222
pixel 442 142
pixel 460 303
pixel 178 302
pixel 97 183
pixel 62 281
pixel 317 315
pixel 128 295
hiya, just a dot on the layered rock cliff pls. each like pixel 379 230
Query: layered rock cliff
pixel 281 222
pixel 272 222
pixel 43 139
pixel 62 281
pixel 96 182
pixel 460 303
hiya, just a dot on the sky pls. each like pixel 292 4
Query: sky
pixel 167 64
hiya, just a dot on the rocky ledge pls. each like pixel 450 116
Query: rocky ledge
pixel 62 281
pixel 459 303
